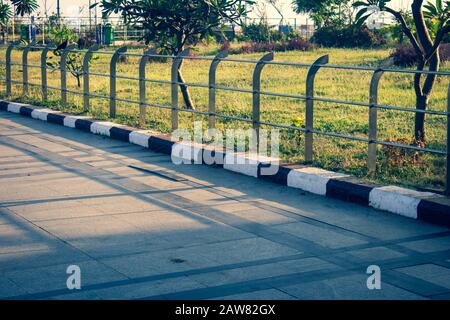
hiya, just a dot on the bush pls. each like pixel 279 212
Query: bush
pixel 325 37
pixel 256 47
pixel 293 34
pixel 277 36
pixel 405 55
pixel 256 32
pixel 347 37
pixel 294 44
pixel 297 44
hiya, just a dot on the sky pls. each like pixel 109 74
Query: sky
pixel 76 8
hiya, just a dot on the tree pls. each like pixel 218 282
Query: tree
pixel 21 7
pixel 25 7
pixel 64 36
pixel 326 13
pixel 430 23
pixel 5 15
pixel 173 25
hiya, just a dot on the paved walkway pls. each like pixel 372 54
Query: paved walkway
pixel 140 227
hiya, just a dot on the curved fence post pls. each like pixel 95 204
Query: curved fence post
pixel 8 69
pixel 142 90
pixel 256 113
pixel 447 185
pixel 309 116
pixel 86 59
pixel 212 88
pixel 112 80
pixel 44 71
pixel 25 51
pixel 63 66
pixel 373 118
pixel 176 62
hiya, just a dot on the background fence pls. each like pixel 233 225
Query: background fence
pixel 308 99
pixel 87 27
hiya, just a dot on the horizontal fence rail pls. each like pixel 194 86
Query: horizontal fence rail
pixel 309 98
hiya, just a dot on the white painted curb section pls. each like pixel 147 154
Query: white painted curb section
pixel 69 121
pixel 313 180
pixel 41 114
pixel 15 107
pixel 397 200
pixel 102 128
pixel 140 138
pixel 187 152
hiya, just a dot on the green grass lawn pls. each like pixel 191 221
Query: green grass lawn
pixel 424 170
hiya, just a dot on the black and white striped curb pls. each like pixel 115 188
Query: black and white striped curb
pixel 426 206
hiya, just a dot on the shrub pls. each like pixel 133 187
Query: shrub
pixel 405 55
pixel 325 37
pixel 398 157
pixel 277 36
pixel 347 37
pixel 256 47
pixel 84 42
pixel 294 44
pixel 298 44
pixel 256 32
pixel 293 34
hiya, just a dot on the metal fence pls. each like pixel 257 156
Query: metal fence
pixel 309 99
pixel 85 26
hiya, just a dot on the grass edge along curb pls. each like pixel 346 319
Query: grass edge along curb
pixel 426 206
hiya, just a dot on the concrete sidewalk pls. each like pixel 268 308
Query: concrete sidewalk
pixel 139 226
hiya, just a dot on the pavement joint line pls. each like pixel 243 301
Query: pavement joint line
pixel 347 248
pixel 306 243
pixel 176 274
pixel 292 278
pixel 361 246
pixel 288 239
pixel 426 206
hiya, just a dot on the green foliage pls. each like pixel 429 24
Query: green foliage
pixel 437 15
pixel 256 32
pixel 74 61
pixel 426 32
pixel 5 13
pixel 174 24
pixel 261 31
pixel 60 34
pixel 53 21
pixel 326 13
pixel 438 11
pixel 347 37
pixel 25 7
pixel 331 154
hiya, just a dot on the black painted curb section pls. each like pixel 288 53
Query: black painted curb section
pixel 433 209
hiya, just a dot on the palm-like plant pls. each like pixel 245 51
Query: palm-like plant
pixel 24 7
pixel 5 13
pixel 426 41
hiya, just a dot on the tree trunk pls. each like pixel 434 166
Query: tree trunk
pixel 184 90
pixel 419 121
pixel 423 96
